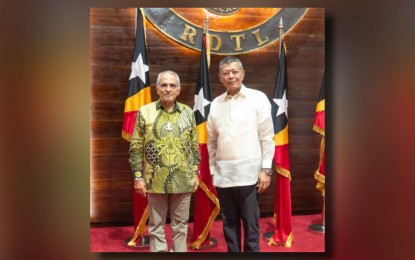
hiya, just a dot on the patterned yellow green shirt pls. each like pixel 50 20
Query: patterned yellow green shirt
pixel 164 148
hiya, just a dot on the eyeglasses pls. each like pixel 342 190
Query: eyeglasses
pixel 165 85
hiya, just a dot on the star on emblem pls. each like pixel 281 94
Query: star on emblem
pixel 138 68
pixel 200 102
pixel 282 104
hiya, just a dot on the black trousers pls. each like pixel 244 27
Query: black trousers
pixel 240 204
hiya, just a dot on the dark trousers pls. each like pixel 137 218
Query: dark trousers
pixel 236 204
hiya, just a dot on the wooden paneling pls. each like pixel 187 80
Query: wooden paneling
pixel 106 129
pixel 112 146
pixel 112 37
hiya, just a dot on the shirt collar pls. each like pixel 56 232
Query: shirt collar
pixel 242 93
pixel 175 107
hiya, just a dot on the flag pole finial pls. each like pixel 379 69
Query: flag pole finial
pixel 206 32
pixel 207 23
pixel 280 27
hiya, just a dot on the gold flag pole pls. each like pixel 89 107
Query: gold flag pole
pixel 213 241
pixel 207 23
pixel 144 242
pixel 268 235
pixel 207 39
pixel 280 27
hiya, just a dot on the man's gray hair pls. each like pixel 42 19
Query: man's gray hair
pixel 168 72
pixel 229 60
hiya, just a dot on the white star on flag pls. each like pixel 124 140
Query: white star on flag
pixel 282 104
pixel 138 68
pixel 200 102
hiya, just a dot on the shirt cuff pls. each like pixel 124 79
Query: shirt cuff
pixel 266 164
pixel 212 169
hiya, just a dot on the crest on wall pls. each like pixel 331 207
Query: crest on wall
pixel 232 30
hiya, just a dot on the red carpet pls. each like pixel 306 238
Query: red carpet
pixel 112 239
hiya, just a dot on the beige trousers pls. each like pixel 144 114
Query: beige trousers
pixel 178 204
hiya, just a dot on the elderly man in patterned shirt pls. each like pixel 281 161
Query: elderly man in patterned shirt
pixel 164 158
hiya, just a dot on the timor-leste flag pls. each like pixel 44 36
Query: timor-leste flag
pixel 139 83
pixel 320 127
pixel 138 95
pixel 206 206
pixel 283 234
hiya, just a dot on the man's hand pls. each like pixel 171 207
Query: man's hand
pixel 140 187
pixel 263 181
pixel 196 182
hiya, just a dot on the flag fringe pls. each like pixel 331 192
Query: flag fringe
pixel 321 179
pixel 288 243
pixel 198 242
pixel 140 230
pixel 319 130
pixel 321 182
pixel 126 136
pixel 283 172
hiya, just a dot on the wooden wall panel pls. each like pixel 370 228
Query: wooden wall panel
pixel 105 129
pixel 112 36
